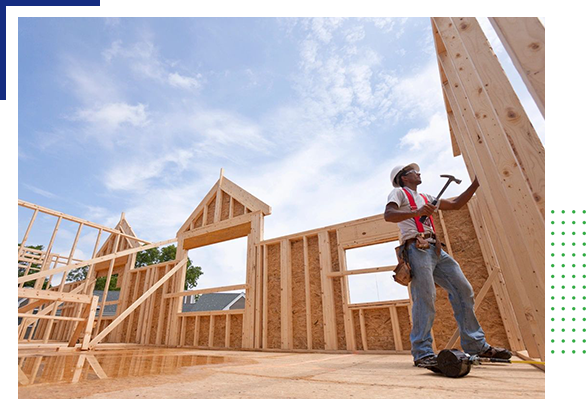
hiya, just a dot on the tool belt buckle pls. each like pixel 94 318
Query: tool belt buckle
pixel 421 242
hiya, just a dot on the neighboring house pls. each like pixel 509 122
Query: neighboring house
pixel 205 302
pixel 109 310
pixel 215 301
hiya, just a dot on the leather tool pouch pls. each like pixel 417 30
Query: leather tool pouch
pixel 403 274
pixel 421 243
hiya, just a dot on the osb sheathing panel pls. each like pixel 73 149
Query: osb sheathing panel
pixel 41 325
pixel 59 328
pixel 236 331
pixel 405 326
pixel 55 330
pixel 125 323
pixel 211 210
pixel 299 307
pixel 317 318
pixel 141 277
pixel 225 214
pixel 109 337
pixel 166 303
pixel 274 296
pixel 238 208
pixel 337 283
pixel 199 221
pixel 379 333
pixel 357 330
pixel 220 331
pixel 468 254
pixel 204 331
pixel 158 298
pixel 166 320
pixel 189 331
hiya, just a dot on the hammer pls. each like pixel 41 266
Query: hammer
pixel 435 201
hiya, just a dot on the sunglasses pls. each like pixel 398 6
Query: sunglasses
pixel 410 171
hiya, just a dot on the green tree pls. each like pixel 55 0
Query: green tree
pixel 77 274
pixel 101 283
pixel 81 274
pixel 34 268
pixel 144 258
pixel 155 255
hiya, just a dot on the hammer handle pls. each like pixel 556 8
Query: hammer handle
pixel 423 218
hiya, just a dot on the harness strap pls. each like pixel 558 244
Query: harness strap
pixel 418 224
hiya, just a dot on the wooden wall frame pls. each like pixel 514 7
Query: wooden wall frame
pixel 501 148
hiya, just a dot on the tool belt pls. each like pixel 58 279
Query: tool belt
pixel 403 273
pixel 422 242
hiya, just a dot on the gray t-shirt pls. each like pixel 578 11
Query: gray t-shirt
pixel 408 227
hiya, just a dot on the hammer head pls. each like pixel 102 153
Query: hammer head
pixel 452 179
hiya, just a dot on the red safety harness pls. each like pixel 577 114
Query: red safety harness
pixel 414 207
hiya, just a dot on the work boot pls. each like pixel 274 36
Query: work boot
pixel 496 353
pixel 429 362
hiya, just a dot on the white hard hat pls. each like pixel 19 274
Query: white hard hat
pixel 397 169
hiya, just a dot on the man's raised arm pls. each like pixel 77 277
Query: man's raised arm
pixel 461 200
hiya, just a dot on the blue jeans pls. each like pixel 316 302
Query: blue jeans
pixel 427 269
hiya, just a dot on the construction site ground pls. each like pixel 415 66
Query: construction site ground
pixel 152 372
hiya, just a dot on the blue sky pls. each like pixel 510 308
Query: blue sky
pixel 138 115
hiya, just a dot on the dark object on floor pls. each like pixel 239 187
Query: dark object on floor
pixel 453 363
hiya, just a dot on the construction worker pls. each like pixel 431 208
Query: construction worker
pixel 431 265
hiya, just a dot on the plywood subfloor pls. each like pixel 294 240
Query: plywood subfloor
pixel 246 374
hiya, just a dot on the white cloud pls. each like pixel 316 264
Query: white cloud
pixel 158 213
pixel 184 82
pixel 419 95
pixel 101 215
pixel 431 136
pixel 355 34
pixel 309 50
pixel 323 28
pixel 114 115
pixel 144 60
pixel 386 24
pixel 221 128
pixel 134 175
pixel 41 192
pixel 90 83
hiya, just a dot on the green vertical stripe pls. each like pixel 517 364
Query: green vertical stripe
pixel 552 300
